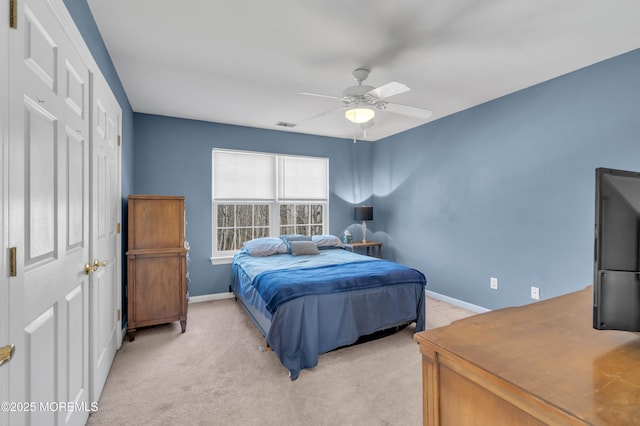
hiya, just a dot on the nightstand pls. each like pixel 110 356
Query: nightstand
pixel 373 248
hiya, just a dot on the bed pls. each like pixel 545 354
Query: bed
pixel 308 295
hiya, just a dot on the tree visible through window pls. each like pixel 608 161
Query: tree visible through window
pixel 303 219
pixel 238 223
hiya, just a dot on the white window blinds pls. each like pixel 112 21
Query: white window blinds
pixel 302 178
pixel 243 176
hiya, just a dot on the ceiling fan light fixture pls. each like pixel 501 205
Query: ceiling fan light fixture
pixel 359 115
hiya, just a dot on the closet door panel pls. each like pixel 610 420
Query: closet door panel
pixel 48 171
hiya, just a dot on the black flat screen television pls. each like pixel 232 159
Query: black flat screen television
pixel 616 287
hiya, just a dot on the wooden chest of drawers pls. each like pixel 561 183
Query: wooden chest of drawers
pixel 156 262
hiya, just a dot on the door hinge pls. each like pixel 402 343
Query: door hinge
pixel 119 140
pixel 118 314
pixel 6 353
pixel 13 272
pixel 13 14
pixel 118 228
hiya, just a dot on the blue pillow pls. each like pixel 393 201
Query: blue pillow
pixel 266 246
pixel 327 241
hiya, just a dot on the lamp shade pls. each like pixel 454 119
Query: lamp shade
pixel 359 115
pixel 363 213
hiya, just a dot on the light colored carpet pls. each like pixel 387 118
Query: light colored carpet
pixel 214 374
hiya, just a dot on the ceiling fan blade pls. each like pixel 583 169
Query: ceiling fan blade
pixel 388 90
pixel 321 96
pixel 322 114
pixel 415 112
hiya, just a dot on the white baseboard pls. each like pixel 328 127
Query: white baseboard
pixel 210 297
pixel 468 306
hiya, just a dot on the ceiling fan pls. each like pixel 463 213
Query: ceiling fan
pixel 360 102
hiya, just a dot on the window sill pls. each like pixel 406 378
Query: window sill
pixel 226 260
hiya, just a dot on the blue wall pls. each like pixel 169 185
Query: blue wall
pixel 173 157
pixel 506 189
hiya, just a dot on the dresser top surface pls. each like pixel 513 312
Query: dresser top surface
pixel 550 350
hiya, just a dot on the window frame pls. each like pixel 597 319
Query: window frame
pixel 225 257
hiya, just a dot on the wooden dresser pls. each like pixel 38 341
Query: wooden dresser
pixel 537 364
pixel 156 262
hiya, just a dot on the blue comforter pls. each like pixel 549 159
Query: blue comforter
pixel 280 286
pixel 326 301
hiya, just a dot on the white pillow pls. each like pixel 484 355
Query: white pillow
pixel 266 246
pixel 327 241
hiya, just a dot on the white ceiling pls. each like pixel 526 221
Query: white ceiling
pixel 245 62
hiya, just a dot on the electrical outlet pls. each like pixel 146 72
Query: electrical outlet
pixel 535 293
pixel 493 282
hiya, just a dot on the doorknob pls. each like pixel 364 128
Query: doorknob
pixel 97 264
pixel 89 269
pixel 6 352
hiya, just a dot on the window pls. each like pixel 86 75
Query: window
pixel 259 195
pixel 303 219
pixel 238 223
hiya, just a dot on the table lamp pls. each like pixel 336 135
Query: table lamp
pixel 363 213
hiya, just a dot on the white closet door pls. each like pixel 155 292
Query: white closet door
pixel 105 211
pixel 48 174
